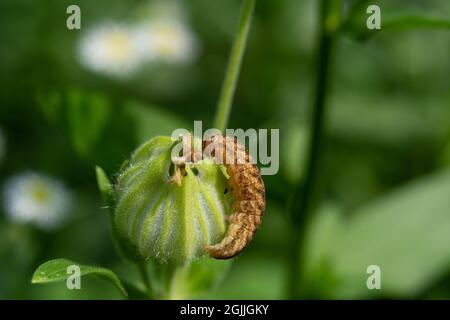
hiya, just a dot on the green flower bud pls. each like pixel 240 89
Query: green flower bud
pixel 167 212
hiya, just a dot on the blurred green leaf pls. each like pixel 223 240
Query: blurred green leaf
pixel 406 233
pixel 322 234
pixel 253 277
pixel 82 115
pixel 152 121
pixel 388 121
pixel 87 116
pixel 51 105
pixel 18 249
pixel 56 270
pixel 91 120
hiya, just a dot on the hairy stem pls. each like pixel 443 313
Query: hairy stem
pixel 302 206
pixel 234 66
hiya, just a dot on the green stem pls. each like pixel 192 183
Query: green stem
pixel 142 266
pixel 171 281
pixel 302 206
pixel 234 66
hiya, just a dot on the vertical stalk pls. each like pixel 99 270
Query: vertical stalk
pixel 142 266
pixel 234 66
pixel 302 207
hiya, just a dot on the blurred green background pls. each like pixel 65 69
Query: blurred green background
pixel 385 175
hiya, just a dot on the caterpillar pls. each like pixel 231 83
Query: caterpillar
pixel 248 191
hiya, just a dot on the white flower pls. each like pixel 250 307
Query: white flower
pixel 166 40
pixel 110 49
pixel 36 199
pixel 120 50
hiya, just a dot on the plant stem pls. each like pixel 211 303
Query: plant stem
pixel 303 205
pixel 171 282
pixel 234 66
pixel 142 266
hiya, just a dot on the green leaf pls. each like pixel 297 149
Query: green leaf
pixel 105 186
pixel 123 247
pixel 56 270
pixel 87 115
pixel 82 115
pixel 406 233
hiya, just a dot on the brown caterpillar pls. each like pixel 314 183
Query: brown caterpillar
pixel 247 189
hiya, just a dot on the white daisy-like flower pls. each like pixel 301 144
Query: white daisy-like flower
pixel 167 41
pixel 37 199
pixel 110 48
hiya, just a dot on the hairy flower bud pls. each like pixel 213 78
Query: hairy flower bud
pixel 167 218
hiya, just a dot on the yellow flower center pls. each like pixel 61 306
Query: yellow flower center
pixel 40 192
pixel 167 40
pixel 118 45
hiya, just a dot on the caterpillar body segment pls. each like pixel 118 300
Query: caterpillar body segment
pixel 248 190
